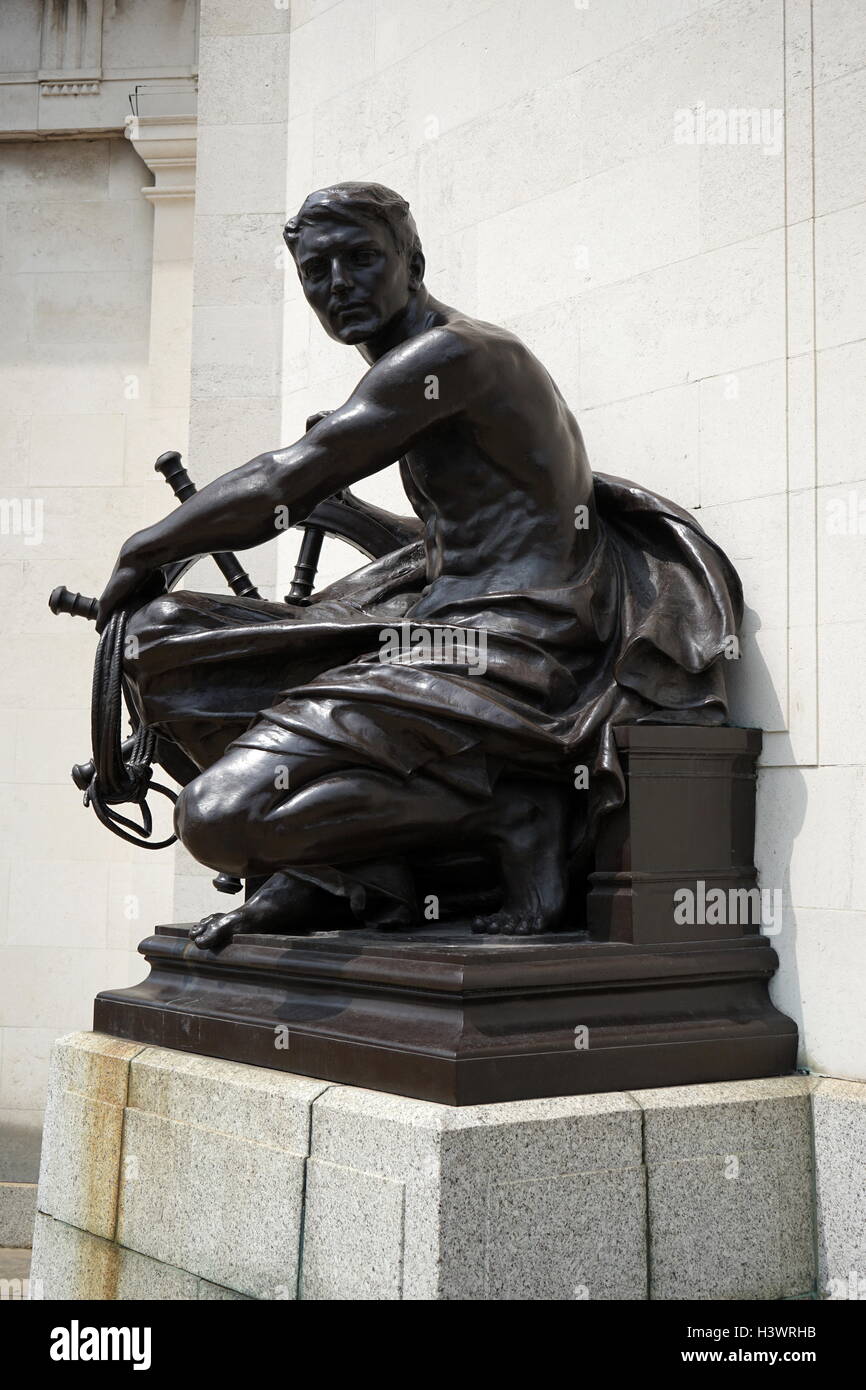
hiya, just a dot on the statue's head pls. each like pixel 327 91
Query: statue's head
pixel 358 256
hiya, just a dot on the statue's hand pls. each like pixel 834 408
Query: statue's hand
pixel 131 575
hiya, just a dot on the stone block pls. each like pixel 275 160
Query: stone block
pixel 729 59
pixel 137 894
pixel 245 78
pixel 664 427
pixel 832 945
pixel 78 1180
pixel 20 1144
pixel 237 350
pixel 213 1293
pixel 250 1103
pixel 798 804
pixel 108 308
pixel 840 35
pixel 589 244
pixel 742 187
pixel 72 1264
pixel 840 276
pixel 754 530
pixel 839 1110
pixel 55 171
pixel 70 236
pixel 743 440
pixel 574 1236
pixel 353 1234
pixel 841 571
pixel 714 313
pixel 840 160
pixel 799 153
pixel 77 451
pixel 840 372
pixel 225 431
pixel 69 1263
pixel 683 1122
pixel 396 33
pixel 734 1227
pixel 335 44
pixel 213 1170
pixel 240 259
pixel 758 681
pixel 17 1212
pixel 425 1201
pixel 729 1189
pixel 842 687
pixel 45 900
pixel 241 169
pixel 225 17
pixel 24 1075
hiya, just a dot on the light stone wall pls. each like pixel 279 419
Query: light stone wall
pixel 77 443
pixel 237 328
pixel 94 383
pixel 703 308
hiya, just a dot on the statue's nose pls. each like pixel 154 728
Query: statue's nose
pixel 340 279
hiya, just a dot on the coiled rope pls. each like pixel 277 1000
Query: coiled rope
pixel 122 772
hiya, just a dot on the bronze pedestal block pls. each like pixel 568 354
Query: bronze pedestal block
pixel 639 1000
pixel 688 820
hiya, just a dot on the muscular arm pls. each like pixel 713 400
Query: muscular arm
pixel 406 528
pixel 426 380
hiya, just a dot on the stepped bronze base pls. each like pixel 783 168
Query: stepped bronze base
pixel 444 1016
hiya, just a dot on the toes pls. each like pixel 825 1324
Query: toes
pixel 511 926
pixel 196 931
pixel 506 924
pixel 522 925
pixel 215 931
pixel 210 939
pixel 486 926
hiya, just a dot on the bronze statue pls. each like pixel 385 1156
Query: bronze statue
pixel 346 750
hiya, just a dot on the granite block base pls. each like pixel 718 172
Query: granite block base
pixel 218 1179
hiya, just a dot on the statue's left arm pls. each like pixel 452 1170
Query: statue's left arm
pixel 419 384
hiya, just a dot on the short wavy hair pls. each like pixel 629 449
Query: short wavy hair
pixel 346 202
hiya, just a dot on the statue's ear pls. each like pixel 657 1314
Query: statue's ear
pixel 417 265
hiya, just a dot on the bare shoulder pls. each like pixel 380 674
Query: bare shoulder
pixel 469 349
pixel 486 342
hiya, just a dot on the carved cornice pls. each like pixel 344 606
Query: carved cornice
pixel 69 89
pixel 166 144
pixel 70 60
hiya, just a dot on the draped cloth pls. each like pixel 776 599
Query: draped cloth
pixel 638 635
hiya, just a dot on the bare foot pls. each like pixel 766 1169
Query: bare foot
pixel 527 826
pixel 512 924
pixel 283 904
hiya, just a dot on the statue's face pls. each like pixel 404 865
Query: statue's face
pixel 353 276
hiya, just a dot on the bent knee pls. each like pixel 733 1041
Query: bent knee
pixel 156 615
pixel 147 625
pixel 214 826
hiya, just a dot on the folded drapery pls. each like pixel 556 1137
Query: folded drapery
pixel 638 635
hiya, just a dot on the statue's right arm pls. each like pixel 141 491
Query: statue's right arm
pixel 407 528
pixel 419 384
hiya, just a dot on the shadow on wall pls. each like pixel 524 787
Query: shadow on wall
pixel 779 819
